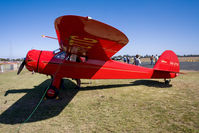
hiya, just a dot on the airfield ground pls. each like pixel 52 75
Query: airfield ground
pixel 139 106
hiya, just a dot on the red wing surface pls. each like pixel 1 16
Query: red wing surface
pixel 88 37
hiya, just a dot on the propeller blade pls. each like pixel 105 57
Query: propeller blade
pixel 21 66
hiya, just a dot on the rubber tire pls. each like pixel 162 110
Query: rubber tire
pixel 55 95
pixel 167 82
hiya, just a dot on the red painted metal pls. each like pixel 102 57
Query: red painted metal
pixel 93 43
pixel 88 37
pixel 51 92
pixel 46 63
pixel 168 61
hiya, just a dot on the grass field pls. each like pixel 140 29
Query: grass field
pixel 140 106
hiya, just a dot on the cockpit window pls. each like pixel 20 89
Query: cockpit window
pixel 61 55
pixel 73 58
pixel 56 51
pixel 76 58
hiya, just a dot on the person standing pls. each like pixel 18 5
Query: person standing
pixel 134 59
pixel 137 60
pixel 128 60
pixel 156 58
pixel 152 58
pixel 124 59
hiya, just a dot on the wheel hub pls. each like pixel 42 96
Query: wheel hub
pixel 51 93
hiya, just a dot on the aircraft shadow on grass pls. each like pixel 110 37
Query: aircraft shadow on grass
pixel 21 109
pixel 149 83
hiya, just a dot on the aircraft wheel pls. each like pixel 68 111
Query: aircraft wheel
pixel 167 82
pixel 52 92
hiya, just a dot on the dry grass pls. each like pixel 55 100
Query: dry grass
pixel 100 105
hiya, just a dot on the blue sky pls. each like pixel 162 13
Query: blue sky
pixel 152 26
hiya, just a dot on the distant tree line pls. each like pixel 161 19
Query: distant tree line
pixel 119 57
pixel 8 59
pixel 189 55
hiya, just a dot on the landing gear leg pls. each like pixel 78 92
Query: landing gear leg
pixel 53 90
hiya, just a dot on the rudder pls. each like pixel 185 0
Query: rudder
pixel 168 61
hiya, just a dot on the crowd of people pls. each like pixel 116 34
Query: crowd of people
pixel 154 58
pixel 137 61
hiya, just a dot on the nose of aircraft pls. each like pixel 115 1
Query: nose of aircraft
pixel 32 59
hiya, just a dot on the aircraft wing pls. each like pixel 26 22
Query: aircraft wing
pixel 87 37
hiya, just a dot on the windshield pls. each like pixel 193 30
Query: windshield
pixel 60 55
pixel 56 51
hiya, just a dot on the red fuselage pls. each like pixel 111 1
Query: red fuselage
pixel 49 63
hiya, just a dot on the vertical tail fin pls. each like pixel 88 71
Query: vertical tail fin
pixel 168 61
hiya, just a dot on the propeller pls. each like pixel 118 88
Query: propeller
pixel 21 66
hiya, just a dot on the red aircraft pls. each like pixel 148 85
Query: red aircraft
pixel 86 46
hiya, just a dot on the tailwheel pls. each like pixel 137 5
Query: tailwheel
pixel 78 83
pixel 166 82
pixel 52 93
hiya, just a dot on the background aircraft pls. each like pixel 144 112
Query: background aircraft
pixel 86 46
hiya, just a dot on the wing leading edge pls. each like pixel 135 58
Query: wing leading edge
pixel 88 37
